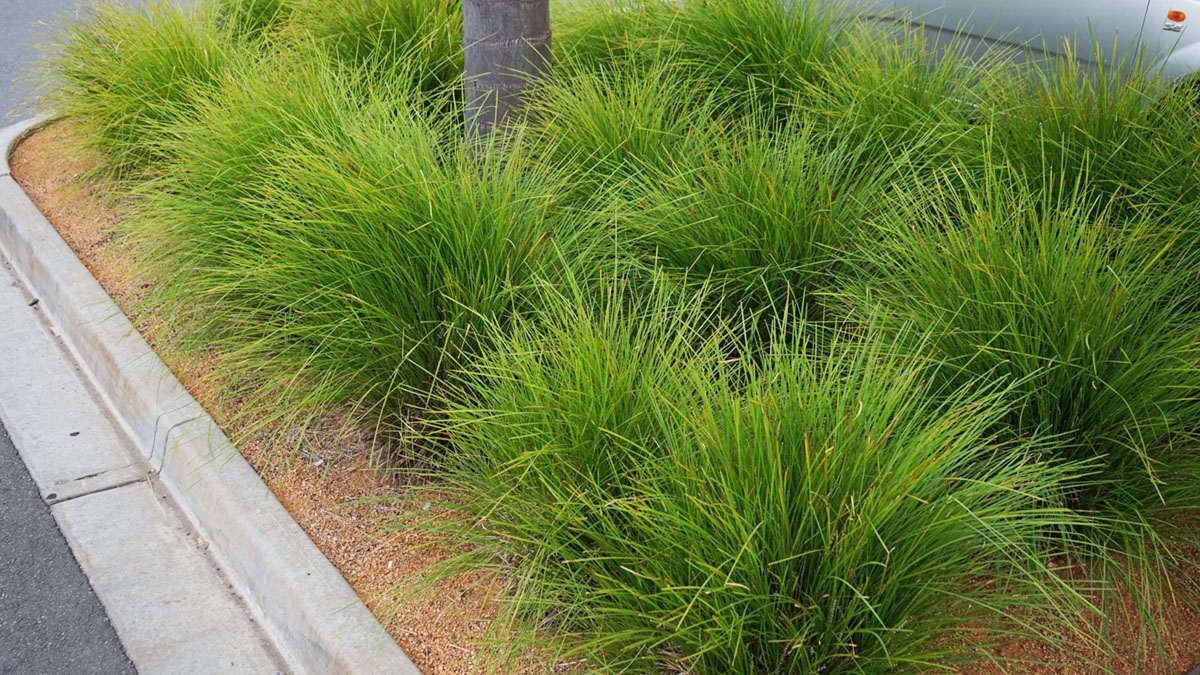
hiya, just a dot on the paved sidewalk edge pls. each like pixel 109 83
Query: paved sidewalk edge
pixel 308 609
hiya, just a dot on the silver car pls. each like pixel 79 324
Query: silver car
pixel 1164 34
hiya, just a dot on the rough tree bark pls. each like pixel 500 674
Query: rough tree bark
pixel 506 47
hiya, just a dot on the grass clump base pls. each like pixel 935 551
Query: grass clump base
pixel 361 200
pixel 822 510
pixel 1091 321
pixel 125 75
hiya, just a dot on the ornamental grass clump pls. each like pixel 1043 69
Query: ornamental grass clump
pixel 1089 319
pixel 896 103
pixel 596 35
pixel 663 507
pixel 604 128
pixel 335 244
pixel 124 76
pixel 423 37
pixel 758 54
pixel 252 19
pixel 1116 124
pixel 762 218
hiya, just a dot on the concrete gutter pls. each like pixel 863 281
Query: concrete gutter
pixel 309 612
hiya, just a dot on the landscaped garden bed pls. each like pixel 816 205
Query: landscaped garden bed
pixel 330 484
pixel 765 345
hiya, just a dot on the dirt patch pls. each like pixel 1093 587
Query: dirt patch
pixel 332 491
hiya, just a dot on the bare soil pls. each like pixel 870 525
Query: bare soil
pixel 341 501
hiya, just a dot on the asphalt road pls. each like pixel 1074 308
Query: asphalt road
pixel 50 620
pixel 24 25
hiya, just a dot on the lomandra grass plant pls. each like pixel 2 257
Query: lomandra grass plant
pixel 607 127
pixel 597 35
pixel 123 76
pixel 423 37
pixel 760 54
pixel 250 19
pixel 890 99
pixel 664 508
pixel 760 217
pixel 1114 122
pixel 755 53
pixel 1093 324
pixel 332 240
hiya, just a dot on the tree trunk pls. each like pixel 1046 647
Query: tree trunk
pixel 506 46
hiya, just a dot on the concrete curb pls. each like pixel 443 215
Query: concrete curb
pixel 309 611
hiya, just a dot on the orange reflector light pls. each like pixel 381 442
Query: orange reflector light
pixel 1176 15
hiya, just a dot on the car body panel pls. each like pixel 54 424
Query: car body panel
pixel 1050 26
pixel 1172 46
pixel 1126 31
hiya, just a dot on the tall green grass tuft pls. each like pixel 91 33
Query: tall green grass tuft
pixel 250 19
pixel 1092 323
pixel 596 35
pixel 756 57
pixel 665 509
pixel 889 96
pixel 124 76
pixel 422 37
pixel 762 218
pixel 760 54
pixel 606 128
pixel 336 244
pixel 1118 125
